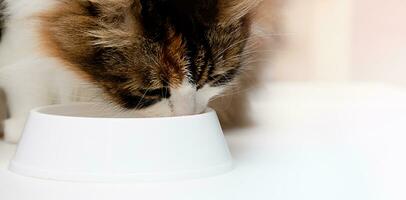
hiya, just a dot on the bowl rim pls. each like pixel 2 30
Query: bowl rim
pixel 40 111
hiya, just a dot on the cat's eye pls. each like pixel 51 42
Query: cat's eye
pixel 223 79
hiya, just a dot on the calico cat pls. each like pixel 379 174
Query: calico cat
pixel 155 57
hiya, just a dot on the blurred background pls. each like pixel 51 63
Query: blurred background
pixel 337 40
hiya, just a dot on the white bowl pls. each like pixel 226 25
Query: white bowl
pixel 78 142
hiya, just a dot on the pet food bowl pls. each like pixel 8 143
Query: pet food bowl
pixel 85 142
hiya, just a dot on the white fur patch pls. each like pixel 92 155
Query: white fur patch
pixel 204 95
pixel 29 78
pixel 187 100
pixel 183 99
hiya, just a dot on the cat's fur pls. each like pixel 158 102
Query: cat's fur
pixel 2 17
pixel 156 57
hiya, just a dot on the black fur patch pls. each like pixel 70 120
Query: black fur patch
pixel 92 9
pixel 2 16
pixel 136 102
pixel 191 19
pixel 161 93
pixel 187 17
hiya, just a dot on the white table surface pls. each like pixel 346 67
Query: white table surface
pixel 312 141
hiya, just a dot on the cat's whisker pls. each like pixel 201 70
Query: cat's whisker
pixel 245 57
pixel 142 98
pixel 231 46
pixel 234 91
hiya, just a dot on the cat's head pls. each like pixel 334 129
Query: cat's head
pixel 167 57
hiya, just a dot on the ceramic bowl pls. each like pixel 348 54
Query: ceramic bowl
pixel 88 142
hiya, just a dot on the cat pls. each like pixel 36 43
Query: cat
pixel 155 57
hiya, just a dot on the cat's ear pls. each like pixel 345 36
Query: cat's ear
pixel 231 11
